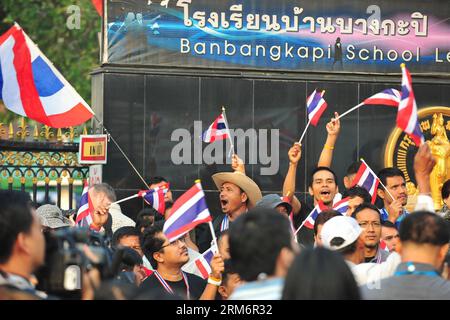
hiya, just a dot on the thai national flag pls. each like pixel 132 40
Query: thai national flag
pixel 31 87
pixel 383 245
pixel 218 130
pixel 388 97
pixel 155 198
pixel 188 211
pixel 311 219
pixel 342 205
pixel 84 214
pixel 367 179
pixel 315 105
pixel 407 110
pixel 203 263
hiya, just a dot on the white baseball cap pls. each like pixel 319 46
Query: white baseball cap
pixel 343 227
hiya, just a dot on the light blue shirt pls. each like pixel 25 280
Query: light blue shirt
pixel 270 289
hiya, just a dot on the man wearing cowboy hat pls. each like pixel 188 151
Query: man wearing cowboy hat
pixel 238 194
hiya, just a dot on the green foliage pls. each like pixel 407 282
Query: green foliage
pixel 75 53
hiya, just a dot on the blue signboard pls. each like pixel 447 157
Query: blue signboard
pixel 283 35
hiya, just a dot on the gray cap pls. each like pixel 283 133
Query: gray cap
pixel 51 216
pixel 272 201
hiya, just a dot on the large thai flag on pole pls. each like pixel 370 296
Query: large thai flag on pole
pixel 188 211
pixel 31 87
pixel 203 263
pixel 407 110
pixel 342 206
pixel 388 97
pixel 218 130
pixel 315 105
pixel 84 214
pixel 367 179
pixel 155 198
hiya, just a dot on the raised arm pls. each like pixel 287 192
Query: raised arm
pixel 294 154
pixel 237 164
pixel 333 128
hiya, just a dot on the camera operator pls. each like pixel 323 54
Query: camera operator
pixel 22 245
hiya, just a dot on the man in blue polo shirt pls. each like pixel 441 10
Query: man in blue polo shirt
pixel 393 209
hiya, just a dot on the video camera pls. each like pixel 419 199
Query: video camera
pixel 66 261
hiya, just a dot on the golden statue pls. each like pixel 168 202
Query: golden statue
pixel 440 148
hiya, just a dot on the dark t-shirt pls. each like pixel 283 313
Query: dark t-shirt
pixel 305 236
pixel 196 286
pixel 203 233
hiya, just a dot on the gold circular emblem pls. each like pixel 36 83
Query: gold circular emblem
pixel 400 151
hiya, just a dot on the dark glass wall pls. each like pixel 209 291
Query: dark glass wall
pixel 142 110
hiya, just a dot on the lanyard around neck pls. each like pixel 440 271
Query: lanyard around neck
pixel 168 288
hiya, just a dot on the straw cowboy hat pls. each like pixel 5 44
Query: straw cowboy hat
pixel 242 181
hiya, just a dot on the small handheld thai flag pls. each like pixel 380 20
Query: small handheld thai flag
pixel 188 211
pixel 155 198
pixel 315 106
pixel 218 130
pixel 383 245
pixel 311 219
pixel 84 214
pixel 388 97
pixel 203 263
pixel 33 88
pixel 367 179
pixel 407 110
pixel 342 205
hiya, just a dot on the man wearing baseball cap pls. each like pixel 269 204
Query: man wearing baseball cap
pixel 344 235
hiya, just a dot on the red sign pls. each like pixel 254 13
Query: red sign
pixel 93 149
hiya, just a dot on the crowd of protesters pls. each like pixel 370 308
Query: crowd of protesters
pixel 264 249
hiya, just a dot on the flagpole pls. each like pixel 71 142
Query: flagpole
pixel 120 149
pixel 228 128
pixel 126 199
pixel 304 131
pixel 348 111
pixel 393 199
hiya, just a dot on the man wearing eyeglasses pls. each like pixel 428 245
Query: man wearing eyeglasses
pixel 168 258
pixel 368 218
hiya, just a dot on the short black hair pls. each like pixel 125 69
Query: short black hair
pixel 385 173
pixel 423 227
pixel 15 217
pixel 227 271
pixel 142 219
pixel 445 192
pixel 323 217
pixel 157 179
pixel 365 205
pixel 121 233
pixel 320 274
pixel 353 168
pixel 151 243
pixel 388 224
pixel 357 191
pixel 317 169
pixel 256 239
